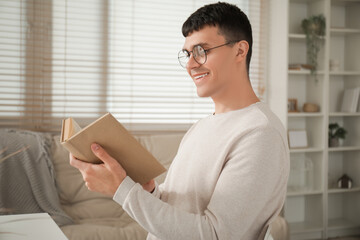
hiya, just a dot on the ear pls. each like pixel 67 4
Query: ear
pixel 242 50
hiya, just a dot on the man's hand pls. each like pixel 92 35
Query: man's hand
pixel 105 177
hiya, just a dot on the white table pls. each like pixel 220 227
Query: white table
pixel 35 226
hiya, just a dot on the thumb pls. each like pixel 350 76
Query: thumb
pixel 102 154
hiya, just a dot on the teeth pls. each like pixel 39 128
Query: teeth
pixel 197 77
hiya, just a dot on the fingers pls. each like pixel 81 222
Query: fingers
pixel 83 168
pixel 78 163
pixel 104 178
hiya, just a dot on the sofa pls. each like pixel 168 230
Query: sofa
pixel 97 217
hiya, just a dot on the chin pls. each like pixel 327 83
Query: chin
pixel 203 94
pixel 206 90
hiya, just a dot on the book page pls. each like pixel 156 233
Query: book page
pixel 75 128
pixel 69 128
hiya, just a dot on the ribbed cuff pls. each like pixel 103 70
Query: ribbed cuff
pixel 123 190
pixel 156 191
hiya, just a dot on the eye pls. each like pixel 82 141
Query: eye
pixel 186 53
pixel 199 51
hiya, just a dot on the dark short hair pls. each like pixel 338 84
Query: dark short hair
pixel 233 23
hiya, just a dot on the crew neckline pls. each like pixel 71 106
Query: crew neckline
pixel 237 110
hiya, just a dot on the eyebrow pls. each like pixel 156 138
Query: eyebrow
pixel 203 44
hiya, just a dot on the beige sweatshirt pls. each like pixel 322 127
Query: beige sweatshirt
pixel 228 180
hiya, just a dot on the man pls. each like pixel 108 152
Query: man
pixel 228 180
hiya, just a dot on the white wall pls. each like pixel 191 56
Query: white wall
pixel 277 58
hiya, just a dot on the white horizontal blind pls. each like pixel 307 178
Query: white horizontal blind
pixel 147 83
pixel 82 58
pixel 12 59
pixel 79 58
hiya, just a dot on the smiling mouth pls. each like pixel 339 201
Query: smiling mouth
pixel 201 76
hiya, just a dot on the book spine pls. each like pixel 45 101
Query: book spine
pixel 74 151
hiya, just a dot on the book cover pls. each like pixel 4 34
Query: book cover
pixel 358 103
pixel 139 164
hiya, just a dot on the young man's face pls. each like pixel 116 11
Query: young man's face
pixel 214 76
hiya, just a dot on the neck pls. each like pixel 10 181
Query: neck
pixel 239 95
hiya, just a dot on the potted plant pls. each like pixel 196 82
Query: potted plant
pixel 335 133
pixel 314 29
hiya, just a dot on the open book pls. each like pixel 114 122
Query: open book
pixel 138 163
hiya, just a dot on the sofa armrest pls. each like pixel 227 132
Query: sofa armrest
pixel 280 229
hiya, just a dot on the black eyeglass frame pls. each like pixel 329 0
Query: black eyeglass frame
pixel 205 52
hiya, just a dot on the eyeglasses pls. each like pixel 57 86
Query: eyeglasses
pixel 199 54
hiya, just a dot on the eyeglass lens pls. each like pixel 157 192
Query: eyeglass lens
pixel 199 54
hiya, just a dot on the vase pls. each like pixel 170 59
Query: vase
pixel 334 142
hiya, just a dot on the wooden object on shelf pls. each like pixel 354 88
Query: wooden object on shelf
pixel 300 66
pixel 292 105
pixel 310 107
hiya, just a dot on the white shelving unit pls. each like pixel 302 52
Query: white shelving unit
pixel 315 207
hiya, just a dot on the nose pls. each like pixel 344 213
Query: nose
pixel 192 63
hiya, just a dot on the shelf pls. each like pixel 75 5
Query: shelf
pixel 344 73
pixel 306 150
pixel 303 114
pixel 303 72
pixel 305 1
pixel 300 36
pixel 340 190
pixel 342 223
pixel 297 36
pixel 344 149
pixel 344 114
pixel 302 227
pixel 303 193
pixel 342 31
pixel 343 3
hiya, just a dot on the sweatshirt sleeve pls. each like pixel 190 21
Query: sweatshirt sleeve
pixel 159 218
pixel 251 185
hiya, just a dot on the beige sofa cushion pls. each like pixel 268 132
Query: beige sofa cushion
pixel 105 229
pixel 77 201
pixel 163 147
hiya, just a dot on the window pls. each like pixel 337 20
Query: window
pixel 12 60
pixel 83 58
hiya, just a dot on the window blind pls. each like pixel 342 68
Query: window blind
pixel 25 46
pixel 83 58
